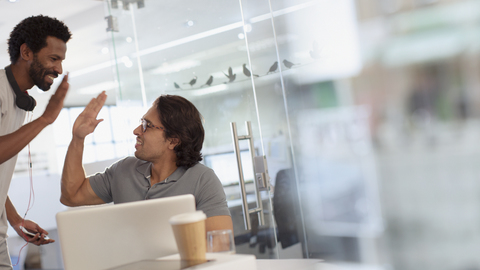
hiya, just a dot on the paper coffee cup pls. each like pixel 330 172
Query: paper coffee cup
pixel 189 231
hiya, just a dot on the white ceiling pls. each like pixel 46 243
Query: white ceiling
pixel 173 52
pixel 160 23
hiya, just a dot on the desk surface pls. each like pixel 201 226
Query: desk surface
pixel 310 264
pixel 218 261
pixel 288 264
pixel 215 261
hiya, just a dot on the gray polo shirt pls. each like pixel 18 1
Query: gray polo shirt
pixel 128 180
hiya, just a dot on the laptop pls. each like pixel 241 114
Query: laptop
pixel 105 236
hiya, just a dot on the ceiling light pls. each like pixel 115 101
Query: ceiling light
pixel 105 50
pixel 127 62
pixel 241 36
pixel 129 39
pixel 12 1
pixel 167 68
pixel 190 23
pixel 248 28
pixel 210 90
pixel 97 88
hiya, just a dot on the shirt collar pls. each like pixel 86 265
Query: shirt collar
pixel 145 170
pixel 177 174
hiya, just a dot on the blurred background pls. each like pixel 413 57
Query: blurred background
pixel 365 111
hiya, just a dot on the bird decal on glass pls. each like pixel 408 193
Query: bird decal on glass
pixel 231 77
pixel 288 64
pixel 315 52
pixel 273 68
pixel 176 85
pixel 192 81
pixel 247 72
pixel 209 81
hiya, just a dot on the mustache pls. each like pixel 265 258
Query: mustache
pixel 55 74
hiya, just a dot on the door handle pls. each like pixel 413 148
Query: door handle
pixel 260 176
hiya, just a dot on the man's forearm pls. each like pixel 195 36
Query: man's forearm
pixel 12 215
pixel 14 142
pixel 219 223
pixel 73 174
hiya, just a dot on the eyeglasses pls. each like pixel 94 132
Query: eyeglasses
pixel 145 124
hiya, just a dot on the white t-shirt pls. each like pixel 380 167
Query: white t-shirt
pixel 11 119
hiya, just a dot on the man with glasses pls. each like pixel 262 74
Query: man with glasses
pixel 166 163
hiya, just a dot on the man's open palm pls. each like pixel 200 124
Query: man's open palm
pixel 87 121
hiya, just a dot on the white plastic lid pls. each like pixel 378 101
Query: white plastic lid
pixel 188 218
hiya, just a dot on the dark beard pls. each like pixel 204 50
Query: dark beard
pixel 38 72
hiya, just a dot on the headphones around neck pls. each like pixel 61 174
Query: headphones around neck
pixel 23 100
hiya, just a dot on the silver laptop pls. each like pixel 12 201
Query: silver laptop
pixel 105 236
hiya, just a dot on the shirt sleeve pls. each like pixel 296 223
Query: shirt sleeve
pixel 210 196
pixel 102 183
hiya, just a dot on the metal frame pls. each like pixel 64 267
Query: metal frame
pixel 236 148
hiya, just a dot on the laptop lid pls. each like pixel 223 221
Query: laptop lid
pixel 101 237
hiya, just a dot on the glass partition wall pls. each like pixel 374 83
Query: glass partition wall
pixel 272 69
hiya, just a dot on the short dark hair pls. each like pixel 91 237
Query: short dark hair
pixel 182 121
pixel 34 31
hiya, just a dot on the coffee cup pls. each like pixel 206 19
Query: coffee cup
pixel 190 236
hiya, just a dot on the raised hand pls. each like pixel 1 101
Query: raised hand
pixel 55 104
pixel 87 121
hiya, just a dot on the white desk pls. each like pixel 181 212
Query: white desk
pixel 248 262
pixel 243 262
pixel 290 264
pixel 216 261
pixel 309 264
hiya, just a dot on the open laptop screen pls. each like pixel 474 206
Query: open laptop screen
pixel 100 237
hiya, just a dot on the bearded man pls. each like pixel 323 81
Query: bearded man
pixel 37 47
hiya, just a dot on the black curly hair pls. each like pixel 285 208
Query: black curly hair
pixel 182 121
pixel 34 31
